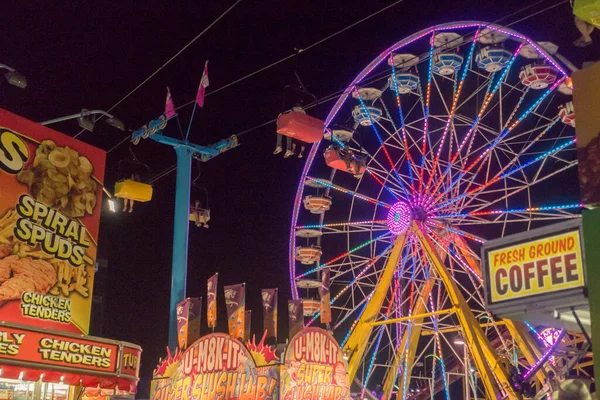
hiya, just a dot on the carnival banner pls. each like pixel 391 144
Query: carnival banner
pixel 217 366
pixel 269 302
pixel 235 302
pixel 211 301
pixel 314 368
pixel 295 317
pixel 50 202
pixel 325 294
pixel 247 324
pixel 189 313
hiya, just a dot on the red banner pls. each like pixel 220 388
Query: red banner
pixel 130 361
pixel 28 346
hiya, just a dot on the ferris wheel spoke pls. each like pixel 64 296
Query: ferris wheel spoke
pixel 515 190
pixel 504 174
pixel 381 143
pixel 487 100
pixel 426 109
pixel 348 192
pixel 356 248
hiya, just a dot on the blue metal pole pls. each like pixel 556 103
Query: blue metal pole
pixel 180 236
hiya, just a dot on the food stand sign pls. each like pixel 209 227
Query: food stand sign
pixel 50 201
pixel 216 366
pixel 314 368
pixel 542 268
pixel 29 347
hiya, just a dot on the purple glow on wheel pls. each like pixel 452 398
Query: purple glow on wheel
pixel 399 218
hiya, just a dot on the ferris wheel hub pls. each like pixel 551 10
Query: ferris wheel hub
pixel 399 218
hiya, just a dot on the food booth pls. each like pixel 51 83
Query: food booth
pixel 50 203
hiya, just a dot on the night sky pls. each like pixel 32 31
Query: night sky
pixel 90 54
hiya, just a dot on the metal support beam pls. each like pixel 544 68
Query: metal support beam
pixel 518 333
pixel 484 356
pixel 185 152
pixel 414 316
pixel 357 342
pixel 408 345
pixel 181 227
pixel 458 329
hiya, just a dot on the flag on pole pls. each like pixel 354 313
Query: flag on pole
pixel 169 105
pixel 188 321
pixel 296 317
pixel 325 297
pixel 211 301
pixel 202 87
pixel 235 302
pixel 269 300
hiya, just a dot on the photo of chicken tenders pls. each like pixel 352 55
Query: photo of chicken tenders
pixel 20 275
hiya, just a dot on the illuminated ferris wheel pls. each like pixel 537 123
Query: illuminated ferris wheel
pixel 460 133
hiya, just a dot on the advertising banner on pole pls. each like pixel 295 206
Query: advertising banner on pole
pixel 50 203
pixel 235 302
pixel 542 268
pixel 314 368
pixel 211 301
pixel 325 309
pixel 216 366
pixel 189 313
pixel 269 301
pixel 295 317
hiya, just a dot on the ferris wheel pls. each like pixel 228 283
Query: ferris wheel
pixel 458 134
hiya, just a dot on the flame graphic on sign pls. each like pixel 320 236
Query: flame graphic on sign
pixel 166 367
pixel 263 355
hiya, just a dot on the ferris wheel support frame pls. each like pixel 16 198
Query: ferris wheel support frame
pixel 529 349
pixel 357 343
pixel 479 346
pixel 409 341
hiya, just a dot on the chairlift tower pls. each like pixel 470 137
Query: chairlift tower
pixel 185 151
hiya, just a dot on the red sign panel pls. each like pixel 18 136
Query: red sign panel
pixel 29 346
pixel 50 202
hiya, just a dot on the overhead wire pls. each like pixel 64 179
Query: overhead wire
pixel 170 59
pixel 337 93
pixel 270 65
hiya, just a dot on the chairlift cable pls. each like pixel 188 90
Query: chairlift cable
pixel 170 59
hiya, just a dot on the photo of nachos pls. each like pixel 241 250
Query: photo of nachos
pixel 61 178
pixel 24 268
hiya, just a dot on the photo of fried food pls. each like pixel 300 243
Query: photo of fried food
pixel 59 177
pixel 6 265
pixel 4 252
pixel 28 275
pixel 26 268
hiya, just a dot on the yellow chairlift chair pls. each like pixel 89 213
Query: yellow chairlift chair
pixel 133 188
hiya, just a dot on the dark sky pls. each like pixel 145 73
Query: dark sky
pixel 90 54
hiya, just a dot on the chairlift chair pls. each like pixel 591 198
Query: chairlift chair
pixel 131 189
pixel 200 214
